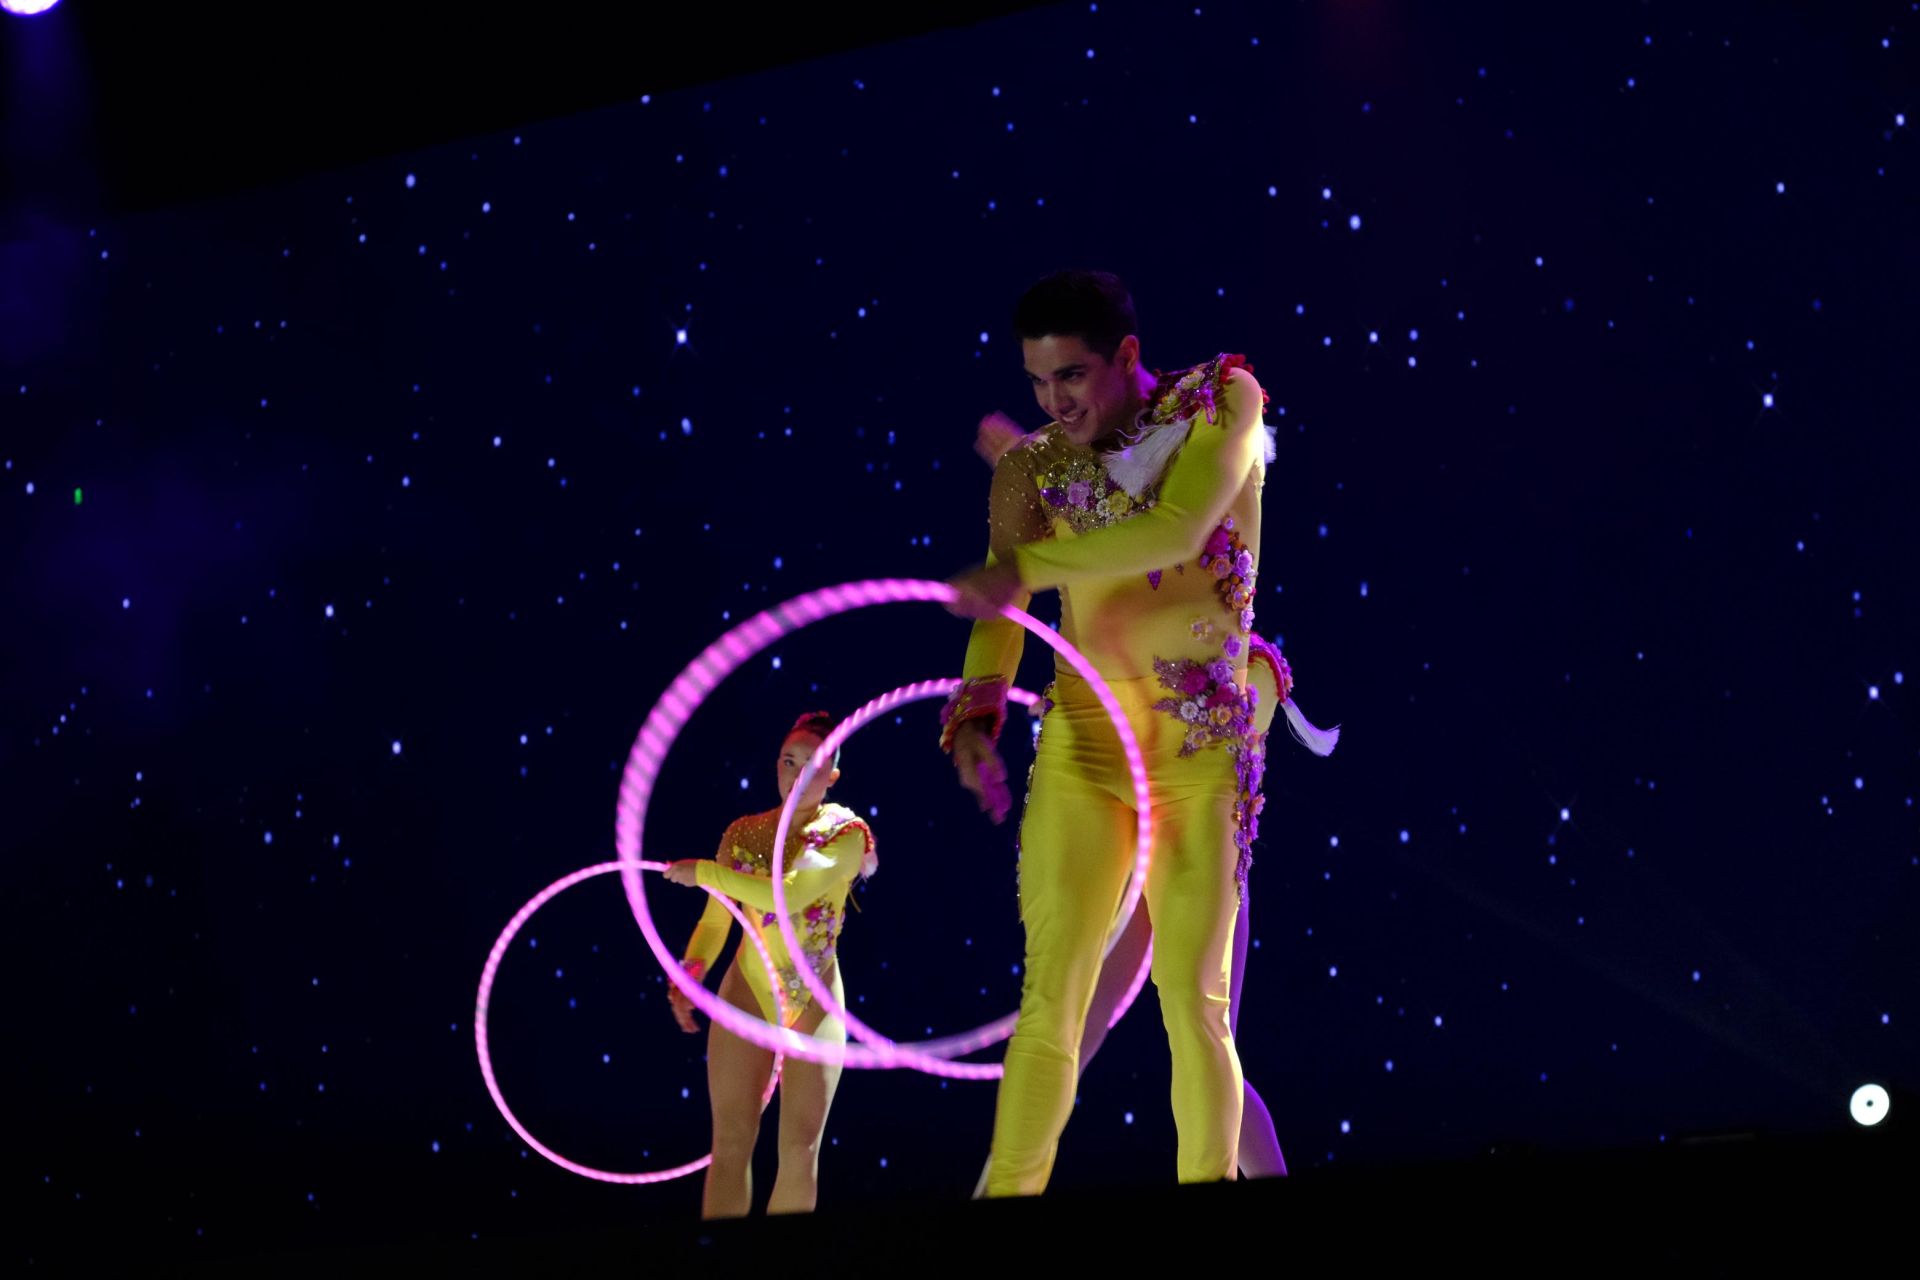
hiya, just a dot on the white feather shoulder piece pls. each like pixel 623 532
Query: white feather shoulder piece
pixel 1139 467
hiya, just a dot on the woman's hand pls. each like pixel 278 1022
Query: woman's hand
pixel 684 872
pixel 681 1005
pixel 997 434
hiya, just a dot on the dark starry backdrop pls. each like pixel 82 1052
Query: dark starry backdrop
pixel 353 526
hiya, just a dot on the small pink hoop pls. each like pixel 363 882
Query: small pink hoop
pixel 684 695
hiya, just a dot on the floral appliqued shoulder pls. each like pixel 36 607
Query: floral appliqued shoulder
pixel 835 821
pixel 1073 482
pixel 1190 394
pixel 749 841
pixel 1184 398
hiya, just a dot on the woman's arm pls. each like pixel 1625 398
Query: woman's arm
pixel 708 937
pixel 815 873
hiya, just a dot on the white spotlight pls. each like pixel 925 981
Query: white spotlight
pixel 1869 1105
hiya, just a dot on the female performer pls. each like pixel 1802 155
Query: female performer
pixel 827 847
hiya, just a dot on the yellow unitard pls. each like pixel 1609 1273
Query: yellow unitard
pixel 824 854
pixel 1156 589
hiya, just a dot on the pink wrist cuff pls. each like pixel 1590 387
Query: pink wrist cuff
pixel 981 698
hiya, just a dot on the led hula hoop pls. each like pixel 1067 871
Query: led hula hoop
pixel 483 1000
pixel 684 696
pixel 875 1050
pixel 950 1046
pixel 490 971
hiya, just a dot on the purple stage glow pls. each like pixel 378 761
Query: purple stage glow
pixel 677 705
pixel 484 997
pixel 27 8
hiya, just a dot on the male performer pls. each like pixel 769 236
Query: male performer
pixel 1140 504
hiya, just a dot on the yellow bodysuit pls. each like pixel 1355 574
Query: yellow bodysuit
pixel 1155 562
pixel 823 857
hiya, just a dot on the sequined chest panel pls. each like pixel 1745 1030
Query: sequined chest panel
pixel 1076 487
pixel 818 923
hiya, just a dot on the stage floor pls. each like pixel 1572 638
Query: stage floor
pixel 1701 1207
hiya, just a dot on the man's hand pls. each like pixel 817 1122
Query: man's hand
pixel 683 1007
pixel 997 434
pixel 985 590
pixel 981 770
pixel 685 871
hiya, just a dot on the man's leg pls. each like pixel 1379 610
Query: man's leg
pixel 1074 860
pixel 1260 1155
pixel 1116 975
pixel 1194 900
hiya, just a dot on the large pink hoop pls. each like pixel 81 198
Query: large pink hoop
pixel 948 1046
pixel 692 686
pixel 482 1004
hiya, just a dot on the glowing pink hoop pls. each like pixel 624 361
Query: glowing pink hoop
pixel 692 686
pixel 483 1000
pixel 949 1046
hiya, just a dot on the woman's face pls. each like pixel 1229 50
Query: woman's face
pixel 794 754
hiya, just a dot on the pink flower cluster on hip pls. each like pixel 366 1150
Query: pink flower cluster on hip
pixel 1212 705
pixel 1226 557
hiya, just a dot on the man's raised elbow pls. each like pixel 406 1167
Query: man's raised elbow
pixel 1246 402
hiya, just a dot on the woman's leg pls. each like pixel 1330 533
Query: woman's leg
pixel 737 1074
pixel 806 1095
pixel 1259 1146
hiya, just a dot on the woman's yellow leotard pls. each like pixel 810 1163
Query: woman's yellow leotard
pixel 823 857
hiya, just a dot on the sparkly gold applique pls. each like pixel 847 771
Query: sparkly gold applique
pixel 817 923
pixel 1072 480
pixel 1075 487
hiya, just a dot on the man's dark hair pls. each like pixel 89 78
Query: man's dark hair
pixel 1093 306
